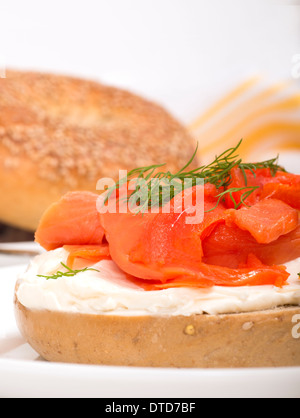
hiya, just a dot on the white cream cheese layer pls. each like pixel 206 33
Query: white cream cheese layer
pixel 108 292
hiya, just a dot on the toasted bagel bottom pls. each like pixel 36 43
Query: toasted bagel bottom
pixel 258 339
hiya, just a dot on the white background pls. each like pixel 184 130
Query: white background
pixel 181 53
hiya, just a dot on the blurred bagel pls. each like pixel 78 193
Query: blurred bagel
pixel 59 134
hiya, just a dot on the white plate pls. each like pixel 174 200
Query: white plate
pixel 24 374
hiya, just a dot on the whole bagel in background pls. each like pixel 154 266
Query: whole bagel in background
pixel 59 134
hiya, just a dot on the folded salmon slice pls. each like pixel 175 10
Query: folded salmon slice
pixel 93 253
pixel 209 276
pixel 143 245
pixel 74 220
pixel 267 220
pixel 229 246
pixel 287 193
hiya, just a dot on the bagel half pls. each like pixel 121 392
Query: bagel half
pixel 59 134
pixel 258 339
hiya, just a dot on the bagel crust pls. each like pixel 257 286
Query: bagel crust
pixel 60 134
pixel 259 339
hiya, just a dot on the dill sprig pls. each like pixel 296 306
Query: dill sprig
pixel 152 180
pixel 247 192
pixel 68 273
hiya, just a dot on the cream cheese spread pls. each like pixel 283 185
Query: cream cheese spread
pixel 108 292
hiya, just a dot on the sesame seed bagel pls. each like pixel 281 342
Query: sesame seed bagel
pixel 255 339
pixel 59 134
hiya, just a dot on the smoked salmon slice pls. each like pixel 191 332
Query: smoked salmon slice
pixel 210 276
pixel 282 186
pixel 267 220
pixel 287 193
pixel 93 253
pixel 229 246
pixel 74 220
pixel 145 245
